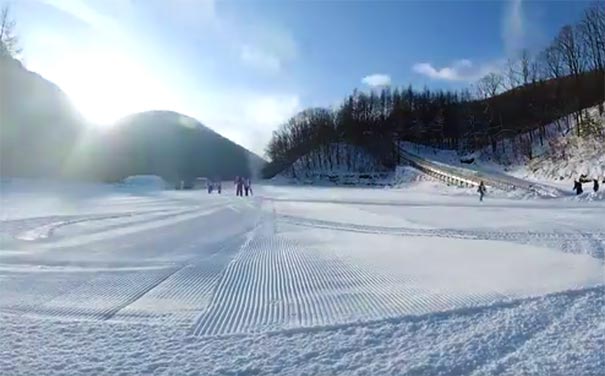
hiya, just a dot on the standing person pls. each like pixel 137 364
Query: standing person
pixel 239 185
pixel 219 187
pixel 250 186
pixel 577 186
pixel 246 186
pixel 482 190
pixel 595 186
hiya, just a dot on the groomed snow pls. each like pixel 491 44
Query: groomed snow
pixel 415 280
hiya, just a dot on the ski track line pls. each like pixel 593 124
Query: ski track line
pixel 473 234
pixel 100 298
pixel 566 242
pixel 383 283
pixel 138 222
pixel 273 284
pixel 251 281
pixel 209 321
pixel 46 230
pixel 296 283
pixel 189 289
pixel 84 239
pixel 313 303
pixel 19 294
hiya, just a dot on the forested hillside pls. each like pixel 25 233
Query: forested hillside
pixel 532 91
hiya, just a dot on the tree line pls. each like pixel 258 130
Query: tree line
pixel 9 42
pixel 529 92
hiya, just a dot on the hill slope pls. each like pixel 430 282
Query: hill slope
pixel 42 135
pixel 173 146
pixel 38 125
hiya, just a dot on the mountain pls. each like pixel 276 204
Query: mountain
pixel 38 125
pixel 42 135
pixel 174 146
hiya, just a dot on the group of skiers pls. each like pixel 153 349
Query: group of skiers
pixel 217 185
pixel 577 185
pixel 243 185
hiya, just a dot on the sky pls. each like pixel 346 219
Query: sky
pixel 244 67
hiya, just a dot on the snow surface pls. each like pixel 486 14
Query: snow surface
pixel 557 162
pixel 152 182
pixel 414 280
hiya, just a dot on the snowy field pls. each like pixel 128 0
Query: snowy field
pixel 421 280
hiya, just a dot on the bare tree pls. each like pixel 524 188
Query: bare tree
pixel 489 85
pixel 526 67
pixel 574 58
pixel 592 34
pixel 512 77
pixel 9 43
pixel 552 62
pixel 520 71
pixel 571 50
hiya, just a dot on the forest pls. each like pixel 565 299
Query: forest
pixel 530 91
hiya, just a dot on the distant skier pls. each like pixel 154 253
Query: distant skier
pixel 595 186
pixel 482 190
pixel 577 186
pixel 248 186
pixel 219 187
pixel 209 187
pixel 239 185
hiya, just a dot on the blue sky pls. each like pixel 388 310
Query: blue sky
pixel 243 67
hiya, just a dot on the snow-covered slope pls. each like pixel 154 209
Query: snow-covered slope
pixel 570 157
pixel 558 159
pixel 297 281
pixel 562 156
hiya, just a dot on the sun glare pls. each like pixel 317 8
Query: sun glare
pixel 106 87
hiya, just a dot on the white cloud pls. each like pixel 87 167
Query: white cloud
pixel 193 15
pixel 262 60
pixel 88 14
pixel 460 70
pixel 267 49
pixel 377 80
pixel 513 27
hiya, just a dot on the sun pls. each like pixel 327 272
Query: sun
pixel 106 86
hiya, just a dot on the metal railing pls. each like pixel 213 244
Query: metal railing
pixel 472 178
pixel 454 176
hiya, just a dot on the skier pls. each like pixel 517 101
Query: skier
pixel 250 185
pixel 247 186
pixel 577 186
pixel 219 187
pixel 482 190
pixel 595 186
pixel 239 185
